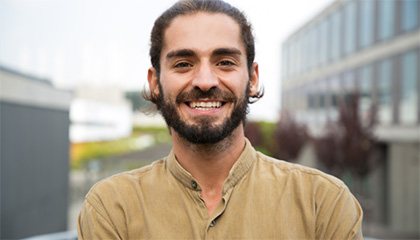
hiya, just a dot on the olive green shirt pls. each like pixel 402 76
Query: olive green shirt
pixel 263 198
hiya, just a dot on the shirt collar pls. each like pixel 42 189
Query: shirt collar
pixel 239 169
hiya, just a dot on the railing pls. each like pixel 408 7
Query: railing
pixel 68 235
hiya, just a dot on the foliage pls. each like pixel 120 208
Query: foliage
pixel 289 138
pixel 253 133
pixel 260 134
pixel 81 153
pixel 348 143
pixel 154 130
pixel 282 140
pixel 327 150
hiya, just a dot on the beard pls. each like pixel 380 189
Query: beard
pixel 204 131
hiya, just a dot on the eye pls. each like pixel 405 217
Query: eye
pixel 225 63
pixel 183 65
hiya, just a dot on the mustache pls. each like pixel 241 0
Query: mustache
pixel 212 93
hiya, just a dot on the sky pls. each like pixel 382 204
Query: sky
pixel 77 43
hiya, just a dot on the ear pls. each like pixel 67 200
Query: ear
pixel 254 80
pixel 152 78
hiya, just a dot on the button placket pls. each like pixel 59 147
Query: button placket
pixel 194 185
pixel 213 223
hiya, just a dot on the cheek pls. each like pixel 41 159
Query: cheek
pixel 167 88
pixel 172 85
pixel 238 84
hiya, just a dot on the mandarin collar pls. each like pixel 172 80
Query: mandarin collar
pixel 239 169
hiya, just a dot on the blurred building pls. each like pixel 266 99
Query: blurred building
pixel 34 155
pixel 99 114
pixel 144 112
pixel 371 47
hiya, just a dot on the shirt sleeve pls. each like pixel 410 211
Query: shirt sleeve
pixel 339 217
pixel 94 224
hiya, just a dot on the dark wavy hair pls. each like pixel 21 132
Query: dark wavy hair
pixel 185 7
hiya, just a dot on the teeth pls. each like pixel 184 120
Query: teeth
pixel 205 105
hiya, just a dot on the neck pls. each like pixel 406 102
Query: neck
pixel 209 164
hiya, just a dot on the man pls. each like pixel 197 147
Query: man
pixel 213 184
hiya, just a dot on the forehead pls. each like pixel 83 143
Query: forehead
pixel 203 32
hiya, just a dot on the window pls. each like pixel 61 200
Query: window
pixel 335 35
pixel 409 88
pixel 350 27
pixel 334 90
pixel 384 91
pixel 386 21
pixel 317 45
pixel 296 55
pixel 409 14
pixel 312 54
pixel 286 61
pixel 306 50
pixel 365 90
pixel 311 100
pixel 292 57
pixel 322 101
pixel 301 108
pixel 323 41
pixel 366 23
pixel 348 86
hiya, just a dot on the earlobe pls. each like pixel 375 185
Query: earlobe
pixel 254 80
pixel 152 78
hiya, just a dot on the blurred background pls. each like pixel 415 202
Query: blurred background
pixel 342 87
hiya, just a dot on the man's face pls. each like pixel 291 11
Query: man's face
pixel 204 81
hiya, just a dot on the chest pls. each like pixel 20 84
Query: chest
pixel 242 213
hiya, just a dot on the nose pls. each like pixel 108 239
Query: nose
pixel 205 79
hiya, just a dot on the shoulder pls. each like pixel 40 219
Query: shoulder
pixel 109 202
pixel 298 173
pixel 328 195
pixel 124 183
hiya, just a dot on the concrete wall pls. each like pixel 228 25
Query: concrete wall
pixel 404 191
pixel 34 156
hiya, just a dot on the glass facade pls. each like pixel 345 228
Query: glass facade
pixel 334 38
pixel 334 90
pixel 350 28
pixel 369 49
pixel 353 26
pixel 336 35
pixel 348 85
pixel 323 41
pixel 367 15
pixel 385 73
pixel 386 19
pixel 409 14
pixel 313 46
pixel 365 90
pixel 409 88
pixel 285 61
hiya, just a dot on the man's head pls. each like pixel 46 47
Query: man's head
pixel 203 74
pixel 186 7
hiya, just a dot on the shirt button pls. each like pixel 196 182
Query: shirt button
pixel 213 223
pixel 194 184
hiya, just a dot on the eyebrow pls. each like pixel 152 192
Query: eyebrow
pixel 191 53
pixel 227 51
pixel 180 53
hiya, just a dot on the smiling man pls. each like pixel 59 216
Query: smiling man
pixel 213 184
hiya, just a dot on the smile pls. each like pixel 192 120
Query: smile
pixel 205 105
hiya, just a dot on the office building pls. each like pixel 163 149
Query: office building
pixel 371 47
